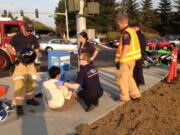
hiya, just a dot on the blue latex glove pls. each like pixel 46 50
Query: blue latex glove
pixel 59 83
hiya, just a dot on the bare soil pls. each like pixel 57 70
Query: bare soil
pixel 156 113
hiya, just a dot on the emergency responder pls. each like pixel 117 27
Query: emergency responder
pixel 26 46
pixel 85 47
pixel 138 69
pixel 88 79
pixel 127 53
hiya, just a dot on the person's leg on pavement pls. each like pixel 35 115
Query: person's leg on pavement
pixel 31 85
pixel 86 99
pixel 122 80
pixel 30 90
pixel 133 89
pixel 136 73
pixel 19 90
pixel 141 76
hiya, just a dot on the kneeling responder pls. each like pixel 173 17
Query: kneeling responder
pixel 26 46
pixel 127 53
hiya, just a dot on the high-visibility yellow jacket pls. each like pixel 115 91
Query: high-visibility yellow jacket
pixel 134 51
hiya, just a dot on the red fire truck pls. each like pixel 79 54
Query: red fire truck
pixel 8 28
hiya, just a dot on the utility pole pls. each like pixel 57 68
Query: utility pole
pixel 66 15
pixel 80 20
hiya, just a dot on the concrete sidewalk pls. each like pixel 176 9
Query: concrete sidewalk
pixel 41 121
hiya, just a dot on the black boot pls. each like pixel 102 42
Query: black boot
pixel 32 102
pixel 90 107
pixel 96 103
pixel 19 110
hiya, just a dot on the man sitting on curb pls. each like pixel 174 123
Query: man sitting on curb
pixel 88 79
pixel 58 96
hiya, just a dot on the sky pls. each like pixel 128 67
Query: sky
pixel 30 6
pixel 42 5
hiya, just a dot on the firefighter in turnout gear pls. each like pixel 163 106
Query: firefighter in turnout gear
pixel 127 53
pixel 24 76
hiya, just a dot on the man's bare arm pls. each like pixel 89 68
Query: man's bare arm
pixel 94 55
pixel 73 86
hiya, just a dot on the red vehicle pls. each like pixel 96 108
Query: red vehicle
pixel 8 28
pixel 158 43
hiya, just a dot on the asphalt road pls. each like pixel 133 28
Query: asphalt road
pixel 105 58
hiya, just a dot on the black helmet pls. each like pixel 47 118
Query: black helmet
pixel 27 56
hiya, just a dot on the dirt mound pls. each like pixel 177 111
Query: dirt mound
pixel 156 113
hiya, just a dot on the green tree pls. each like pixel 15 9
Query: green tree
pixel 165 10
pixel 177 6
pixel 122 7
pixel 131 9
pixel 176 17
pixel 147 12
pixel 9 14
pixel 39 27
pixel 60 20
pixel 106 20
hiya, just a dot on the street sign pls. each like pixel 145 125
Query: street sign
pixel 74 5
pixel 93 7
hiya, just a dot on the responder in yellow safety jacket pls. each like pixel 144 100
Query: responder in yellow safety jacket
pixel 127 53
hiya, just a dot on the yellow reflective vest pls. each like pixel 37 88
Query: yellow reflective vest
pixel 134 51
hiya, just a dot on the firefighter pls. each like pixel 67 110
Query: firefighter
pixel 26 46
pixel 127 53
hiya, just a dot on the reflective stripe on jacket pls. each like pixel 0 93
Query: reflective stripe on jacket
pixel 134 51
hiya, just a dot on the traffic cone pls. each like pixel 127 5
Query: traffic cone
pixel 171 73
pixel 3 91
pixel 176 62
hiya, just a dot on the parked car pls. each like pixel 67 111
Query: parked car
pixel 158 43
pixel 58 44
pixel 174 39
pixel 114 43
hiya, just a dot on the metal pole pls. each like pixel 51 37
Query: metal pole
pixel 80 24
pixel 67 27
pixel 80 19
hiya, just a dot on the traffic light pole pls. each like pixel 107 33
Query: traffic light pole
pixel 66 15
pixel 80 19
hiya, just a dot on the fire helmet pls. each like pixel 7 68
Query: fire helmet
pixel 27 56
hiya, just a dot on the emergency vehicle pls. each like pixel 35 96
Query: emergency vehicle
pixel 8 28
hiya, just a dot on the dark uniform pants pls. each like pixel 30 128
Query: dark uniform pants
pixel 138 72
pixel 89 99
